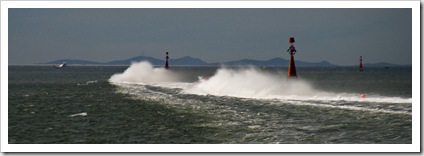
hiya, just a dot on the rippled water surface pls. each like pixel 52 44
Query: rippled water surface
pixel 216 105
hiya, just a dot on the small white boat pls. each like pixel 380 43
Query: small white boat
pixel 61 65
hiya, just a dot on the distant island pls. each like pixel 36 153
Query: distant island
pixel 187 60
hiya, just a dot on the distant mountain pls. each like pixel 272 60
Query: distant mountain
pixel 152 60
pixel 383 64
pixel 273 62
pixel 244 62
pixel 316 64
pixel 187 60
pixel 73 61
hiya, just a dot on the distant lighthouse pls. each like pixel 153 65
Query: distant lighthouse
pixel 292 68
pixel 166 60
pixel 360 64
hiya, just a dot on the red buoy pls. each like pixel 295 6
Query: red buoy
pixel 291 40
pixel 292 68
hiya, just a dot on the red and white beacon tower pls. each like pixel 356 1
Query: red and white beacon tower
pixel 166 60
pixel 360 64
pixel 292 68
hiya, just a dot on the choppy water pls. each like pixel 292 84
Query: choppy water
pixel 141 104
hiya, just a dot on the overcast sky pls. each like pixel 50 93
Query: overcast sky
pixel 338 36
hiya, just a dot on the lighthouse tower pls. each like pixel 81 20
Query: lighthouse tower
pixel 360 64
pixel 292 68
pixel 166 60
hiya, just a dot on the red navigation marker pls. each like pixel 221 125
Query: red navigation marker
pixel 292 68
pixel 166 60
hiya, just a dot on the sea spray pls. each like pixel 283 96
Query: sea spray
pixel 144 72
pixel 244 82
pixel 250 83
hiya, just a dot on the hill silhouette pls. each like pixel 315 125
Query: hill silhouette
pixel 188 60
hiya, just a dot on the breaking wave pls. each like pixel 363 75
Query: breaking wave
pixel 249 83
pixel 144 72
pixel 245 82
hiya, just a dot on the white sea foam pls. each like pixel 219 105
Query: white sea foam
pixel 144 72
pixel 253 83
pixel 79 114
pixel 248 82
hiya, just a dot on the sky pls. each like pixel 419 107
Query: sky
pixel 336 35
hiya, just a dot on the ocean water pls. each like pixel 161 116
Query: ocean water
pixel 142 104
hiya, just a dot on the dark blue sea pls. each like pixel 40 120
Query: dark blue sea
pixel 142 104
